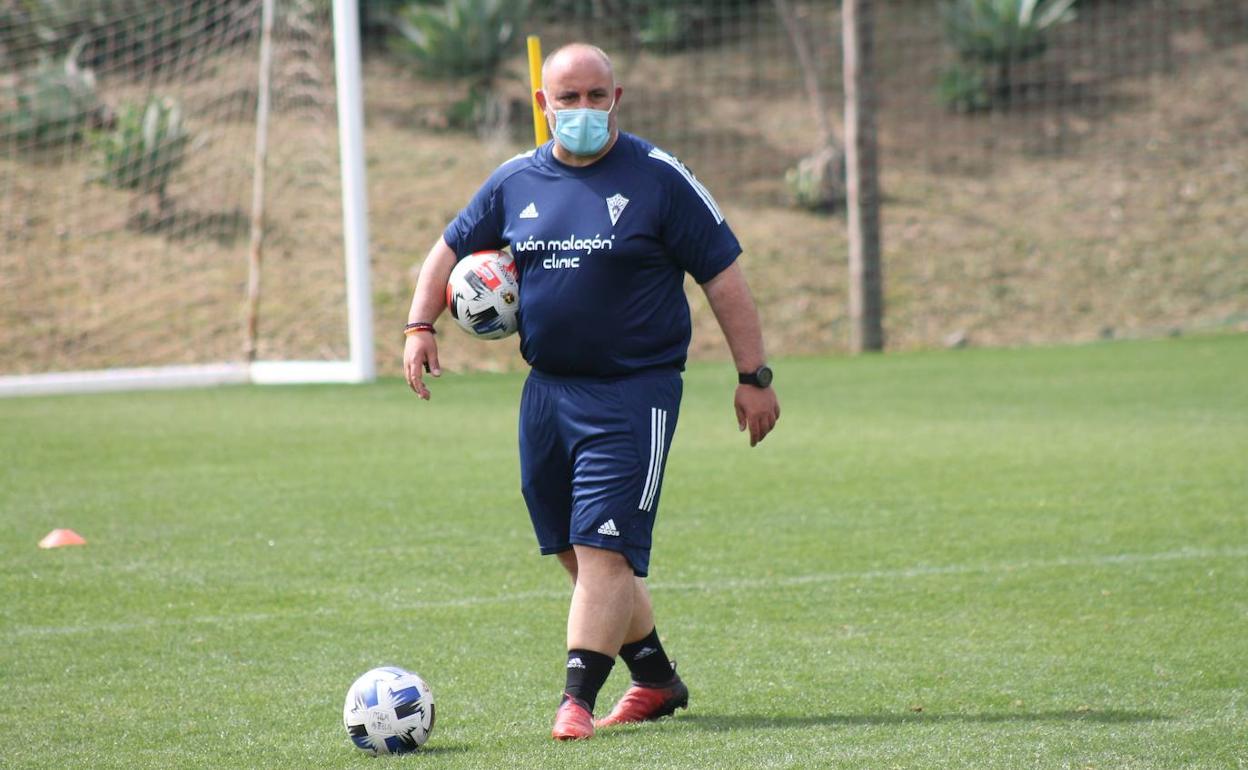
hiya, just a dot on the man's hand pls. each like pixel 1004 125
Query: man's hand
pixel 757 409
pixel 420 355
pixel 420 349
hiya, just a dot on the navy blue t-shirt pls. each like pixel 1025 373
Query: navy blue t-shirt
pixel 602 252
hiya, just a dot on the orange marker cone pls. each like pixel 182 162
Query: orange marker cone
pixel 58 538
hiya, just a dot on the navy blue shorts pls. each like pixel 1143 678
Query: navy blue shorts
pixel 592 454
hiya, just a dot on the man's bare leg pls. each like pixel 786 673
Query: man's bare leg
pixel 642 620
pixel 603 601
pixel 656 690
pixel 598 619
pixel 643 613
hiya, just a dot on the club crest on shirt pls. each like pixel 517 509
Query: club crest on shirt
pixel 615 207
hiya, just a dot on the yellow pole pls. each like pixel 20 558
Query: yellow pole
pixel 541 133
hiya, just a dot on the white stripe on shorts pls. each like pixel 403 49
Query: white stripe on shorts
pixel 658 445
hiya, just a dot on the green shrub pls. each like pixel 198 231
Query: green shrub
pixel 462 38
pixel 817 182
pixel 677 24
pixel 993 36
pixel 469 40
pixel 144 148
pixel 963 88
pixel 992 31
pixel 53 104
pixel 479 107
pixel 668 28
pixel 377 17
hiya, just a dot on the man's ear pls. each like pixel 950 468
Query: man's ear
pixel 540 95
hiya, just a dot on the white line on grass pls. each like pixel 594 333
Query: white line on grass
pixel 1184 554
pixel 708 586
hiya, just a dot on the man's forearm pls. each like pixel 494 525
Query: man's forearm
pixel 429 299
pixel 730 300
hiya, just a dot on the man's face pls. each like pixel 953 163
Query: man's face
pixel 577 81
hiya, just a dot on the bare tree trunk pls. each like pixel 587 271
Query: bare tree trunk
pixel 810 76
pixel 255 253
pixel 818 182
pixel 866 300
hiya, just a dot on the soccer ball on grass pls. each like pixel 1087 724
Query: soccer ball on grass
pixel 389 711
pixel 483 294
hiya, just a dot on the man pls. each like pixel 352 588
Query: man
pixel 603 227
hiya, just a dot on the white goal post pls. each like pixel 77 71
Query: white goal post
pixel 143 280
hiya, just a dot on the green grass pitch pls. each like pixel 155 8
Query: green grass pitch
pixel 985 559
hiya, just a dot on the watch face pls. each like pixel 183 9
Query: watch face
pixel 764 376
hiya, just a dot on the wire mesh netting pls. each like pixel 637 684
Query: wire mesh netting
pixel 1072 174
pixel 127 136
pixel 1067 177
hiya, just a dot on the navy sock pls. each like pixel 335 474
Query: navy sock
pixel 587 671
pixel 647 661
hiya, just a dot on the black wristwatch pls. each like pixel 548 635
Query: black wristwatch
pixel 759 378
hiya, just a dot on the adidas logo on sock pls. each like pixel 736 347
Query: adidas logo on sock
pixel 608 528
pixel 576 663
pixel 644 652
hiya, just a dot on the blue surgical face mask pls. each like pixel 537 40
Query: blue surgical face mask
pixel 583 131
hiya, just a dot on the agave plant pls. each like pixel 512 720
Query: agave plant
pixel 994 30
pixel 53 103
pixel 1001 33
pixel 462 38
pixel 465 39
pixel 145 147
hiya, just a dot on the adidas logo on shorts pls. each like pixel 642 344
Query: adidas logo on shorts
pixel 608 528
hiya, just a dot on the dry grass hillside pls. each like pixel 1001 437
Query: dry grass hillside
pixel 1134 228
pixel 1121 215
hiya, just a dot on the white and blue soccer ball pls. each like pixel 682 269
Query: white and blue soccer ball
pixel 389 711
pixel 483 295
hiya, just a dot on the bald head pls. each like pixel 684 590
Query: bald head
pixel 580 58
pixel 579 77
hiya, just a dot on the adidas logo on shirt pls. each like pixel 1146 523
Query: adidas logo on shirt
pixel 530 212
pixel 576 663
pixel 608 528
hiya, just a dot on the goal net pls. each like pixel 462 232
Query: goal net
pixel 146 237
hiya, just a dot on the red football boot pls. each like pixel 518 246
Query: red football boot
pixel 642 703
pixel 572 721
